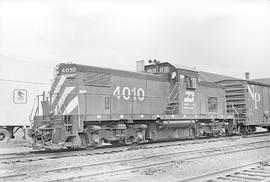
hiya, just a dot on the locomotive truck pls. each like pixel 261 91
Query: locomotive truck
pixel 87 106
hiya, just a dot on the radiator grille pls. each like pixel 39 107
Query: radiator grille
pixel 94 78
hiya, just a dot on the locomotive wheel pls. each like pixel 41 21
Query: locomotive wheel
pixel 4 136
pixel 250 130
pixel 130 140
pixel 133 140
pixel 96 140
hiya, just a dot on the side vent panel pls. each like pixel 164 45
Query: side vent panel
pixel 98 79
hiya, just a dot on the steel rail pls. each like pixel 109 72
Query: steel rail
pixel 200 154
pixel 139 167
pixel 254 171
pixel 220 172
pixel 42 155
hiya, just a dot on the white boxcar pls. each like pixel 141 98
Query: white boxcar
pixel 17 99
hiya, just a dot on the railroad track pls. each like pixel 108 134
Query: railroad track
pixel 86 172
pixel 256 171
pixel 44 155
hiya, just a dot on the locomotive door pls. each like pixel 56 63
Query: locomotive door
pixel 188 84
pixel 173 104
pixel 96 102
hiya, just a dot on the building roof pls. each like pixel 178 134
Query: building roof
pixel 210 84
pixel 217 78
pixel 213 77
pixel 262 80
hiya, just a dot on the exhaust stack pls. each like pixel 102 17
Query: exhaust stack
pixel 247 75
pixel 140 66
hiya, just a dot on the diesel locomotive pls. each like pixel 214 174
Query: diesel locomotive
pixel 89 106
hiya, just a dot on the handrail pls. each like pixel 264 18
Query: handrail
pixel 173 90
pixel 234 109
pixel 33 114
pixel 174 98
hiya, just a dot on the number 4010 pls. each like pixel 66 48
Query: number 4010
pixel 127 92
pixel 69 70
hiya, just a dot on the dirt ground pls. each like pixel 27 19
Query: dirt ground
pixel 178 170
pixel 18 144
pixel 175 171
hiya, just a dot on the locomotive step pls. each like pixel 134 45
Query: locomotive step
pixel 170 109
pixel 234 89
pixel 230 94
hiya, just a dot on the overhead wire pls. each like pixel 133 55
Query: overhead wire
pixel 28 82
pixel 7 58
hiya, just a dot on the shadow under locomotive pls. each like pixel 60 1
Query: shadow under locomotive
pixel 88 105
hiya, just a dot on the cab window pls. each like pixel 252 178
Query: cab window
pixel 190 82
pixel 212 104
pixel 164 69
pixel 152 70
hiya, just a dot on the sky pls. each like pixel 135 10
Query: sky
pixel 228 37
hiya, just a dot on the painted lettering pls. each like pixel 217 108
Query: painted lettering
pixel 256 97
pixel 126 93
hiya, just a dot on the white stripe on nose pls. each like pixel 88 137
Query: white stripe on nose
pixel 61 101
pixel 71 106
pixel 59 85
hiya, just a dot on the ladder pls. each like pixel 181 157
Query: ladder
pixel 236 100
pixel 173 100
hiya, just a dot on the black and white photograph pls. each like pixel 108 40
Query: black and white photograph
pixel 134 90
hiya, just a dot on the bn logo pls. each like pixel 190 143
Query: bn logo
pixel 255 96
pixel 189 97
pixel 20 96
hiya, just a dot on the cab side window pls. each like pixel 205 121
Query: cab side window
pixel 212 104
pixel 152 70
pixel 164 69
pixel 190 82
